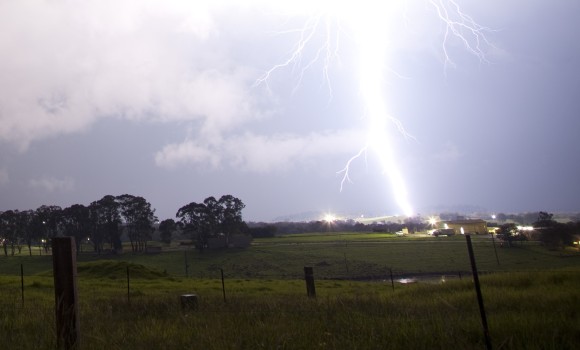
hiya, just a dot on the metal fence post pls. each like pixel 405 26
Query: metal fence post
pixel 478 291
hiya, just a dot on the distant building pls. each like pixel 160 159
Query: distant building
pixel 471 226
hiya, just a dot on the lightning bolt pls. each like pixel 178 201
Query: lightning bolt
pixel 369 29
pixel 463 27
pixel 327 51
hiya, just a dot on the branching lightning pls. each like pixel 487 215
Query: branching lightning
pixel 327 52
pixel 461 26
pixel 369 29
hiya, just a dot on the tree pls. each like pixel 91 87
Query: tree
pixel 166 229
pixel 263 231
pixel 138 218
pixel 30 230
pixel 105 220
pixel 76 222
pixel 194 217
pixel 8 230
pixel 231 221
pixel 47 219
pixel 212 217
pixel 15 229
pixel 553 234
pixel 507 233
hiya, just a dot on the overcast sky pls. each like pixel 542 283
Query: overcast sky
pixel 170 100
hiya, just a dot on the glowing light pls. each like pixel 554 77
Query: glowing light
pixel 432 221
pixel 329 218
pixel 369 28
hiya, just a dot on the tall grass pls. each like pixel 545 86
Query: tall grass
pixel 525 311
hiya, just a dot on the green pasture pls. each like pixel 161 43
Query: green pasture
pixel 531 297
pixel 525 310
pixel 333 256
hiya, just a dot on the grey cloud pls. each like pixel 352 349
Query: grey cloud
pixel 51 184
pixel 71 64
pixel 259 153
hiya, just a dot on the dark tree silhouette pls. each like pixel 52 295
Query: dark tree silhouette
pixel 212 217
pixel 105 220
pixel 138 218
pixel 49 216
pixel 9 230
pixel 507 233
pixel 553 235
pixel 76 222
pixel 166 229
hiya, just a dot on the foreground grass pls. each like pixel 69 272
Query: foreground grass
pixel 525 311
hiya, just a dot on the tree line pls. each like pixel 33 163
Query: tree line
pixel 551 233
pixel 103 222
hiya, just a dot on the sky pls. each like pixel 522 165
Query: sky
pixel 176 101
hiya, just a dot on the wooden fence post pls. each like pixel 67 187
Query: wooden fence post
pixel 128 286
pixel 22 282
pixel 494 249
pixel 186 263
pixel 478 291
pixel 223 285
pixel 309 278
pixel 65 292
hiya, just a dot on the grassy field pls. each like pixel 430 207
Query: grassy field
pixel 525 310
pixel 346 256
pixel 532 298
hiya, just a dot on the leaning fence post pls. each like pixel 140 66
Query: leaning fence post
pixel 223 285
pixel 65 292
pixel 478 291
pixel 309 278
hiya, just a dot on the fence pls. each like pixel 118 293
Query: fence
pixel 336 266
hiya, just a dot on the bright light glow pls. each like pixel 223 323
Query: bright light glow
pixel 368 24
pixel 525 228
pixel 407 280
pixel 432 221
pixel 329 218
pixel 462 231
